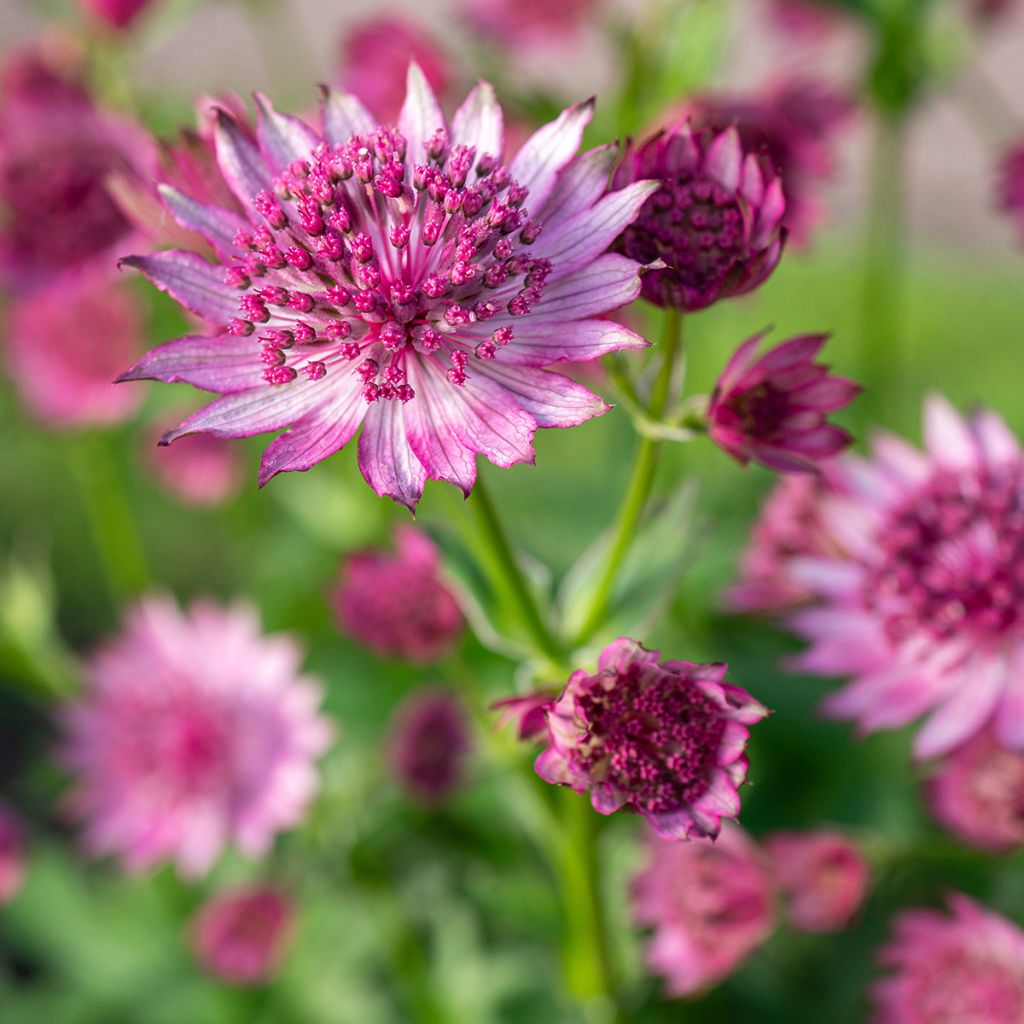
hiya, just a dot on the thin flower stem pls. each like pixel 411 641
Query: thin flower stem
pixel 640 484
pixel 498 548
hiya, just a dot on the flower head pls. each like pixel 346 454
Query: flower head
pixel 375 54
pixel 240 934
pixel 963 968
pixel 404 280
pixel 195 730
pixel 924 606
pixel 1011 183
pixel 199 470
pixel 774 408
pixel 397 604
pixel 429 744
pixel 12 853
pixel 116 13
pixel 65 345
pixel 664 740
pixel 714 223
pixel 823 876
pixel 710 904
pixel 977 792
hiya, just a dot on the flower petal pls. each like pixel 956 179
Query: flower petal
pixel 608 283
pixel 539 342
pixel 581 184
pixel 385 458
pixel 343 115
pixel 981 685
pixel 283 139
pixel 421 115
pixel 240 161
pixel 548 151
pixel 947 437
pixel 185 276
pixel 479 122
pixel 224 363
pixel 215 224
pixel 550 398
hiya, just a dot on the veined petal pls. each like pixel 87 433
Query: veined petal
pixel 552 399
pixel 479 122
pixel 946 435
pixel 724 159
pixel 581 184
pixel 224 363
pixel 199 286
pixel 966 711
pixel 548 151
pixel 609 282
pixel 240 161
pixel 421 114
pixel 386 460
pixel 538 342
pixel 283 139
pixel 217 225
pixel 343 116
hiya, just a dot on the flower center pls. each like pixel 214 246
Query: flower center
pixel 655 737
pixel 367 256
pixel 953 559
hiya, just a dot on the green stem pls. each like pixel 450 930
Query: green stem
pixel 511 576
pixel 881 339
pixel 640 484
pixel 110 517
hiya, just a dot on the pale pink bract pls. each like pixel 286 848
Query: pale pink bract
pixel 394 280
pixel 195 731
pixel 923 608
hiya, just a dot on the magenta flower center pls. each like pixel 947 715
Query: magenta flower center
pixel 369 255
pixel 697 228
pixel 953 559
pixel 656 738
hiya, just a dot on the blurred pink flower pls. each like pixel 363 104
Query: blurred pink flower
pixel 428 745
pixel 12 853
pixel 33 75
pixel 200 470
pixel 977 792
pixel 528 23
pixel 195 730
pixel 822 875
pixel 663 739
pixel 56 152
pixel 989 12
pixel 924 609
pixel 65 345
pixel 529 712
pixel 397 604
pixel 774 409
pixel 789 526
pixel 714 223
pixel 710 904
pixel 803 20
pixel 966 967
pixel 419 314
pixel 240 934
pixel 1011 184
pixel 374 56
pixel 792 124
pixel 116 13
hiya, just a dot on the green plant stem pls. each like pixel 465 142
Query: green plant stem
pixel 510 575
pixel 110 517
pixel 640 484
pixel 881 330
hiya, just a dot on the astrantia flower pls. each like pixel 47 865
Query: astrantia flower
pixel 240 934
pixel 428 745
pixel 823 876
pixel 714 223
pixel 925 609
pixel 977 792
pixel 199 470
pixel 774 408
pixel 65 345
pixel 789 526
pixel 404 280
pixel 12 853
pixel 56 152
pixel 710 905
pixel 196 730
pixel 964 968
pixel 1011 184
pixel 374 56
pixel 397 604
pixel 664 740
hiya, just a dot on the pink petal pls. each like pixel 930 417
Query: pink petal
pixel 240 161
pixel 724 160
pixel 581 184
pixel 542 342
pixel 548 151
pixel 215 224
pixel 980 685
pixel 343 116
pixel 551 399
pixel 947 437
pixel 224 363
pixel 385 458
pixel 185 276
pixel 421 115
pixel 478 122
pixel 609 282
pixel 283 139
pixel 996 439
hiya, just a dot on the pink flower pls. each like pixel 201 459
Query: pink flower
pixel 12 853
pixel 710 905
pixel 964 968
pixel 525 24
pixel 809 20
pixel 924 609
pixel 56 152
pixel 823 876
pixel 199 470
pixel 773 409
pixel 393 279
pixel 196 730
pixel 1011 183
pixel 789 527
pixel 240 934
pixel 792 124
pixel 428 745
pixel 529 712
pixel 374 56
pixel 116 13
pixel 714 222
pixel 664 740
pixel 977 792
pixel 65 345
pixel 397 604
